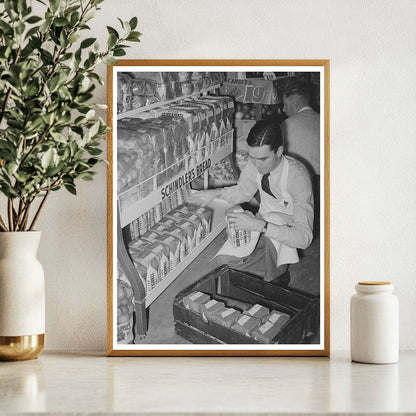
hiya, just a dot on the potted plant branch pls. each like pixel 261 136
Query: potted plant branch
pixel 50 133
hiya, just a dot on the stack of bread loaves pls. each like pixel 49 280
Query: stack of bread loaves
pixel 161 143
pixel 160 249
pixel 255 321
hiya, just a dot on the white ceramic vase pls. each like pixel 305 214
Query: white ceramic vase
pixel 22 296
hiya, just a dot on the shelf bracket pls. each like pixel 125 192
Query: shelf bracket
pixel 139 292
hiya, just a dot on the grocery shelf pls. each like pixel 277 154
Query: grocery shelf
pixel 136 111
pixel 132 204
pixel 218 207
pixel 135 209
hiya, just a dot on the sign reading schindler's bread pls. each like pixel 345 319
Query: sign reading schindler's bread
pixel 218 218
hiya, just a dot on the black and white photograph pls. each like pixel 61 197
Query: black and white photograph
pixel 218 208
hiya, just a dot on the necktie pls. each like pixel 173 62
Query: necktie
pixel 265 185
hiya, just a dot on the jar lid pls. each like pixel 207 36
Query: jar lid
pixel 373 287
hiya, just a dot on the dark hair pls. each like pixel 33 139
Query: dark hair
pixel 302 88
pixel 265 132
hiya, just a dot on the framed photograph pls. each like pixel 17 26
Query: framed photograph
pixel 218 208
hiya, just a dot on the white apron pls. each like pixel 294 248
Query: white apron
pixel 271 210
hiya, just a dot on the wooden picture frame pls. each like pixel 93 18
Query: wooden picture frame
pixel 259 82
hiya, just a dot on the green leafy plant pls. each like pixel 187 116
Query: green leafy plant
pixel 50 134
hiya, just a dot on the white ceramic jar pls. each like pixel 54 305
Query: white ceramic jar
pixel 374 323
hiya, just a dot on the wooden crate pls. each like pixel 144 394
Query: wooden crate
pixel 225 282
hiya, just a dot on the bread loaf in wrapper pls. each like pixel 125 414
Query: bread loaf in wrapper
pixel 228 110
pixel 152 235
pixel 194 299
pixel 191 232
pixel 268 330
pixel 164 89
pixel 181 235
pixel 148 268
pixel 164 262
pixel 210 308
pixel 226 317
pixel 237 238
pixel 167 222
pixel 185 213
pixel 258 311
pixel 203 146
pixel 245 324
pixel 137 246
pixel 174 245
pixel 190 229
pixel 278 317
pixel 206 217
pixel 214 121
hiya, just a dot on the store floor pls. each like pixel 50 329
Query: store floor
pixel 304 276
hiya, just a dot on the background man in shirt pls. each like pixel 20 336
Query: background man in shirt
pixel 286 196
pixel 301 133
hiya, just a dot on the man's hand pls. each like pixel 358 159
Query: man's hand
pixel 202 198
pixel 245 221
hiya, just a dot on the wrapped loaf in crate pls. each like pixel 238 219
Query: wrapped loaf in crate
pixel 245 324
pixel 208 309
pixel 258 311
pixel 226 317
pixel 271 327
pixel 194 300
pixel 276 316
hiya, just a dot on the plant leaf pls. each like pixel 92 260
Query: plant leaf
pixel 47 158
pixel 112 41
pixel 110 61
pixel 133 23
pixel 112 31
pixel 60 138
pixel 70 188
pixel 33 19
pixel 87 42
pixel 94 129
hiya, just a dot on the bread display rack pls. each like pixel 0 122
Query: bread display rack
pixel 129 209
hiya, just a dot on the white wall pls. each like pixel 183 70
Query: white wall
pixel 371 45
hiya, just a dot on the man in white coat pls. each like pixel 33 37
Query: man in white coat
pixel 301 133
pixel 285 217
